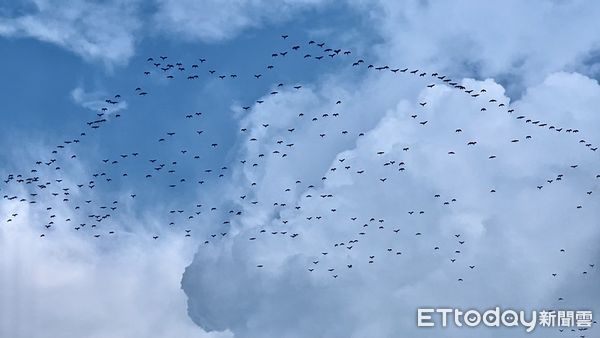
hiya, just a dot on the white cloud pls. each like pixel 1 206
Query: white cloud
pixel 96 101
pixel 513 236
pixel 95 31
pixel 108 31
pixel 66 286
pixel 70 284
pixel 520 42
pixel 216 20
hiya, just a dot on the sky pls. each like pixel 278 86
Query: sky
pixel 199 208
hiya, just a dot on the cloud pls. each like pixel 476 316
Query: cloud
pixel 70 284
pixel 96 101
pixel 95 31
pixel 216 20
pixel 524 55
pixel 460 37
pixel 513 237
pixel 109 31
pixel 519 43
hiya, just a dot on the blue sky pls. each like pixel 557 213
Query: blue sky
pixel 55 73
pixel 359 165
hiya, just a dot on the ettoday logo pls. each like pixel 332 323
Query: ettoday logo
pixel 496 317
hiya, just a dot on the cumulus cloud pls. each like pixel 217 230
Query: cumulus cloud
pixel 513 237
pixel 69 287
pixel 517 42
pixel 518 52
pixel 70 284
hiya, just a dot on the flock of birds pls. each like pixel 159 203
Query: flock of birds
pixel 94 217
